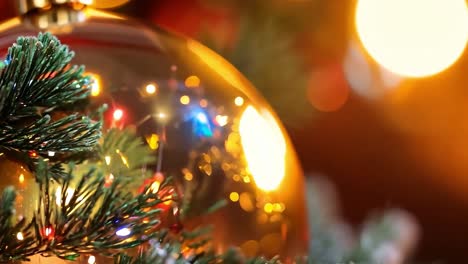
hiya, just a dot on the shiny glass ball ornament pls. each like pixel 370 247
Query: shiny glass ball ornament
pixel 209 129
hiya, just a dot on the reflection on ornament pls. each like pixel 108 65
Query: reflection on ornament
pixel 68 195
pixel 239 101
pixel 271 243
pixel 123 158
pixel 203 103
pixel 153 141
pixel 188 176
pixel 107 159
pixel 246 203
pixel 150 88
pixel 222 120
pixel 192 81
pixel 425 39
pixel 201 125
pixel 102 4
pixel 266 160
pixel 161 115
pixel 268 208
pixel 21 178
pixel 250 248
pixel 234 196
pixel 185 99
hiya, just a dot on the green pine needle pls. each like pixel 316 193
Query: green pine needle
pixel 35 80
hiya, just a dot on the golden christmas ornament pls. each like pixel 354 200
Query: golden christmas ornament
pixel 208 127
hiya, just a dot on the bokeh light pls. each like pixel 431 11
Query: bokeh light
pixel 327 89
pixel 185 99
pixel 364 76
pixel 234 196
pixel 192 81
pixel 151 88
pixel 118 114
pixel 123 232
pixel 96 84
pixel 239 101
pixel 414 38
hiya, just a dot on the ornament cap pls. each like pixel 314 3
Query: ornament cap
pixel 26 6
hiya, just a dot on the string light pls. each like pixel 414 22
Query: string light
pixel 123 232
pixel 51 153
pixel 49 232
pixel 91 259
pixel 68 195
pixel 123 158
pixel 33 154
pixel 107 159
pixel 118 114
pixel 155 186
pixel 20 236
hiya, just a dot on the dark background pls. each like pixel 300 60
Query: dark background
pixel 407 149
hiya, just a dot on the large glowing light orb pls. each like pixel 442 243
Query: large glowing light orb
pixel 414 38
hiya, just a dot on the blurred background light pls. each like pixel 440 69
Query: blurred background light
pixel 364 76
pixel 414 38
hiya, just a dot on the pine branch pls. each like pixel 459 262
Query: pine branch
pixel 38 77
pixel 36 80
pixel 127 153
pixel 85 220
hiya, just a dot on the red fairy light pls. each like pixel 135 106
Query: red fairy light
pixel 48 232
pixel 109 180
pixel 33 154
pixel 118 114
